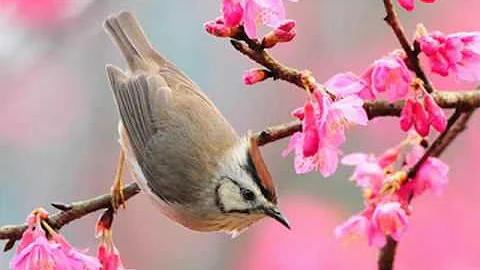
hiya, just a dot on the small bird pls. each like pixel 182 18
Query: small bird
pixel 180 148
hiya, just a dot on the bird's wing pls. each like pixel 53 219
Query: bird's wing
pixel 134 96
pixel 176 135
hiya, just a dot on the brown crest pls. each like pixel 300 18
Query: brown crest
pixel 261 174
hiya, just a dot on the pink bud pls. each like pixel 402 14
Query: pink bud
pixel 218 28
pixel 232 13
pixel 254 76
pixel 422 125
pixel 435 113
pixel 409 5
pixel 406 118
pixel 311 137
pixel 283 33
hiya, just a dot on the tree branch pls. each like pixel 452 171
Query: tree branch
pixel 463 100
pixel 412 53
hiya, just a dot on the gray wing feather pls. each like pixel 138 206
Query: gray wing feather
pixel 133 96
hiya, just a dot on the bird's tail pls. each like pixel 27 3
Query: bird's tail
pixel 126 33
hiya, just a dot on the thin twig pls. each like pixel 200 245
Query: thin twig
pixel 412 54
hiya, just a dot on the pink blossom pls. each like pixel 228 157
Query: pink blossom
pixel 458 53
pixel 409 5
pixel 254 75
pixel 39 254
pixel 368 173
pixel 324 160
pixel 323 131
pixel 391 219
pixel 270 12
pixel 35 251
pixel 361 226
pixel 389 75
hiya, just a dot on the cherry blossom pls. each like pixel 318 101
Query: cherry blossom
pixel 387 75
pixel 457 53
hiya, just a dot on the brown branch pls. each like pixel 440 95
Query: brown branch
pixel 387 254
pixel 412 52
pixel 263 58
pixel 464 100
pixel 62 218
pixel 456 124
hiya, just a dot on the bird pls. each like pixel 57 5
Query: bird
pixel 179 147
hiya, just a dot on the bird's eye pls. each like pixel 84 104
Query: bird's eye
pixel 247 195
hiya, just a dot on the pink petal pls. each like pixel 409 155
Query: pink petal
pixel 295 139
pixel 250 18
pixel 421 122
pixel 344 84
pixel 272 12
pixel 311 138
pixel 232 12
pixel 409 5
pixel 406 117
pixel 328 160
pixel 355 225
pixel 436 114
pixel 354 159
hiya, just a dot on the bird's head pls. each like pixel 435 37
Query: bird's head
pixel 245 192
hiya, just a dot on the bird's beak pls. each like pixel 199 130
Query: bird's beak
pixel 274 213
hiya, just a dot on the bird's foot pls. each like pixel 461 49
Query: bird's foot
pixel 118 197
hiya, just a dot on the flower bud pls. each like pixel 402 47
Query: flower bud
pixel 422 125
pixel 255 75
pixel 406 117
pixel 435 113
pixel 218 28
pixel 283 33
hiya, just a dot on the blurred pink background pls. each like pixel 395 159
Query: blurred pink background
pixel 58 136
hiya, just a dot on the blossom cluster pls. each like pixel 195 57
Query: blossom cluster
pixel 388 190
pixel 41 247
pixel 331 108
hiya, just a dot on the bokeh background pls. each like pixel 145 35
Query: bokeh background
pixel 58 132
